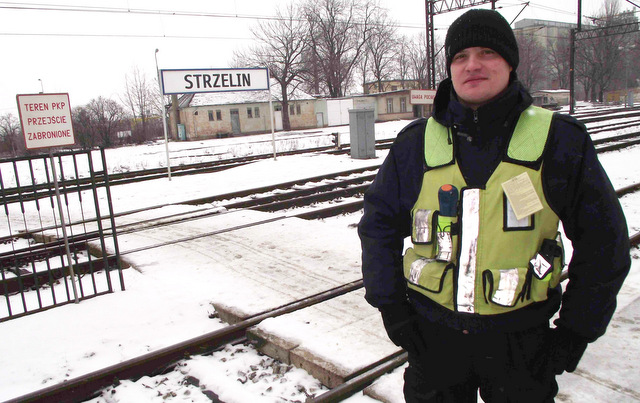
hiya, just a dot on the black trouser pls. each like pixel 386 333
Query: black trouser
pixel 456 365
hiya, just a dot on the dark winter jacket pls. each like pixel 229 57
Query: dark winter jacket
pixel 575 185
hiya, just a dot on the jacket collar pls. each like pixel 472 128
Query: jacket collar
pixel 447 109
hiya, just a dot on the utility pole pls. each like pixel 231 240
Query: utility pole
pixel 431 59
pixel 579 34
pixel 572 60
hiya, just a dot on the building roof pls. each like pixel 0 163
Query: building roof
pixel 529 22
pixel 559 91
pixel 240 97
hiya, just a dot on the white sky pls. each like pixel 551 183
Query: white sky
pixel 87 54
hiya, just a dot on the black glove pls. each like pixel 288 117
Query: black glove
pixel 564 350
pixel 401 324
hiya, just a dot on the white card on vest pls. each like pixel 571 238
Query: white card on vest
pixel 522 196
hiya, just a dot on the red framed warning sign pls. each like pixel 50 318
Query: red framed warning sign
pixel 46 120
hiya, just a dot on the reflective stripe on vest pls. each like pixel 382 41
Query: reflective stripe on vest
pixel 489 272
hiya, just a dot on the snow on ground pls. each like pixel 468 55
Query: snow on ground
pixel 160 307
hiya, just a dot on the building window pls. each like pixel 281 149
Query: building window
pixel 218 114
pixel 394 88
pixel 292 109
pixel 249 113
pixel 298 110
pixel 403 104
pixel 210 116
pixel 389 105
pixel 256 112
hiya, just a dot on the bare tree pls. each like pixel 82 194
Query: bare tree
pixel 530 69
pixel 106 116
pixel 338 32
pixel 440 61
pixel 599 57
pixel 419 61
pixel 312 81
pixel 381 44
pixel 401 59
pixel 364 69
pixel 141 97
pixel 282 43
pixel 10 133
pixel 558 61
pixel 84 127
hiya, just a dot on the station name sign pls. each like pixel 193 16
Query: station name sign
pixel 422 97
pixel 214 80
pixel 46 120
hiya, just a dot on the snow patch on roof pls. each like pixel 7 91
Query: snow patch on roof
pixel 245 97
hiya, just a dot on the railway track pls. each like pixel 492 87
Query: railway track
pixel 278 197
pixel 157 362
pixel 613 126
pixel 41 188
pixel 89 385
pixel 85 387
pixel 607 114
pixel 617 142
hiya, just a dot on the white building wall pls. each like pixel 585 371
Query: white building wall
pixel 338 111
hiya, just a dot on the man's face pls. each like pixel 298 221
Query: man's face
pixel 479 75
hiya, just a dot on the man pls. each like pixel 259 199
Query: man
pixel 480 189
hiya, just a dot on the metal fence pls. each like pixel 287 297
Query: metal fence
pixel 58 241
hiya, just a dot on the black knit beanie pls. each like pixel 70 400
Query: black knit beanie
pixel 483 28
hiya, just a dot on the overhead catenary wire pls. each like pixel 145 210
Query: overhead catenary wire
pixel 159 12
pixel 185 13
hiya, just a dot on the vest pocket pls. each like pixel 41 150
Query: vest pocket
pixel 424 226
pixel 430 275
pixel 506 287
pixel 512 287
pixel 540 287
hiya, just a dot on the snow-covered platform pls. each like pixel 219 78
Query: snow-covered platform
pixel 337 339
pixel 278 262
pixel 262 267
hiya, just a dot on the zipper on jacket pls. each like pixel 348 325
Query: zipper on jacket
pixel 475 116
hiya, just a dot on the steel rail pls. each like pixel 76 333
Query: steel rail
pixel 313 214
pixel 40 190
pixel 264 204
pixel 358 383
pixel 613 127
pixel 217 198
pixel 601 112
pixel 307 200
pixel 617 138
pixel 89 385
pixel 267 205
pixel 627 189
pixel 617 146
pixel 121 178
pixel 611 116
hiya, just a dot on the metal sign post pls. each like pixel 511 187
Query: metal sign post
pixel 64 226
pixel 164 119
pixel 46 123
pixel 273 132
